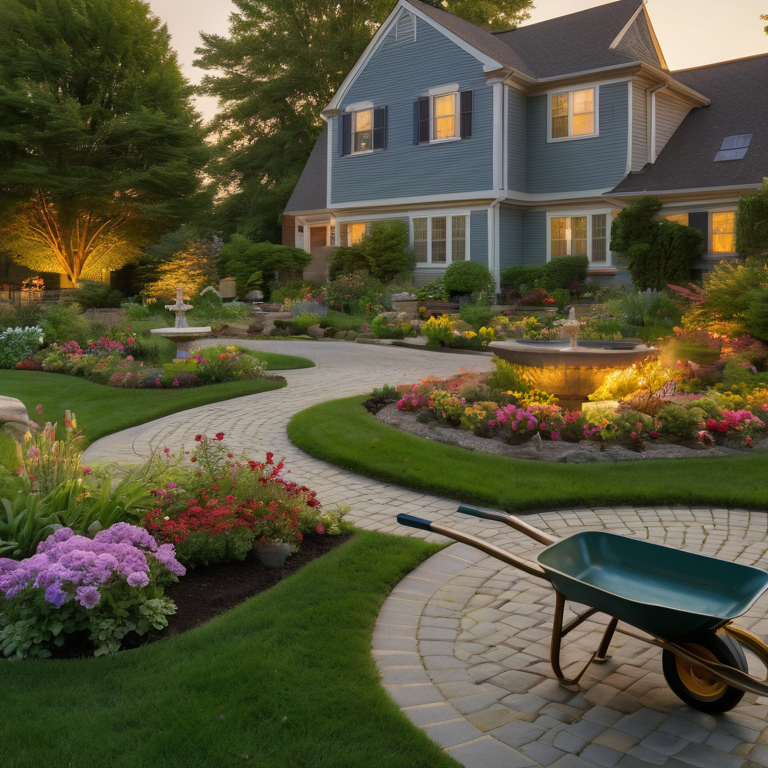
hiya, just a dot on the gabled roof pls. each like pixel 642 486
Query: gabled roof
pixel 583 41
pixel 739 105
pixel 310 192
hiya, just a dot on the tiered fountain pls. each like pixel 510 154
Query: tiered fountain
pixel 571 373
pixel 181 334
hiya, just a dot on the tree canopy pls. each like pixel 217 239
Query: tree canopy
pixel 100 148
pixel 275 72
pixel 752 223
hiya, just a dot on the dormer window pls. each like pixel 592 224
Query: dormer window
pixel 572 114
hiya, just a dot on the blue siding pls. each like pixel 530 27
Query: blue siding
pixel 534 237
pixel 510 237
pixel 395 77
pixel 570 166
pixel 478 236
pixel 517 141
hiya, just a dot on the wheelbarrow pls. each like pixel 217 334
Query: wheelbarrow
pixel 683 602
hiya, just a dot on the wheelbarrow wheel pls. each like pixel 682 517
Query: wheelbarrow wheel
pixel 695 685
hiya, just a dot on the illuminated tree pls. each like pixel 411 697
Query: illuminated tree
pixel 100 149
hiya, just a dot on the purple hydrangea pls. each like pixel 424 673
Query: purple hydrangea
pixel 66 564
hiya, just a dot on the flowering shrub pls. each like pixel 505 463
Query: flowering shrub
pixel 311 304
pixel 446 406
pixel 448 331
pixel 107 586
pixel 537 297
pixel 17 344
pixel 392 325
pixel 480 418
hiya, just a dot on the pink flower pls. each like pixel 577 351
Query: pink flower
pixel 635 436
pixel 653 434
pixel 320 529
pixel 748 442
pixel 765 407
pixel 87 470
pixel 39 409
pixel 130 357
pixel 34 424
pixel 555 435
pixel 175 383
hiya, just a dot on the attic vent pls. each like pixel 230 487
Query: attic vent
pixel 405 29
pixel 734 147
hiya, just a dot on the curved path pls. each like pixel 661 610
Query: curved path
pixel 462 641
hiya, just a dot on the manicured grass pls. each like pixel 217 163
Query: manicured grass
pixel 344 322
pixel 278 362
pixel 286 679
pixel 342 432
pixel 102 410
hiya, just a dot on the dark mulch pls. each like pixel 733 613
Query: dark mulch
pixel 375 404
pixel 207 591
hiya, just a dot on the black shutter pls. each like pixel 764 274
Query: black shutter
pixel 424 120
pixel 345 135
pixel 700 221
pixel 380 128
pixel 466 114
pixel 415 122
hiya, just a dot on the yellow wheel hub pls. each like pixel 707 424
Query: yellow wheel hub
pixel 698 680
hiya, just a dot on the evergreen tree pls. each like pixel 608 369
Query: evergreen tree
pixel 752 223
pixel 100 149
pixel 280 66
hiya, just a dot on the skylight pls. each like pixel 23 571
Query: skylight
pixel 734 147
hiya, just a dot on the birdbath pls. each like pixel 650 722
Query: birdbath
pixel 182 334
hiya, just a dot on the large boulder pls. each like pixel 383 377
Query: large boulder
pixel 13 417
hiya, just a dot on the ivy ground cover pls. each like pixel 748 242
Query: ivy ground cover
pixel 295 684
pixel 343 433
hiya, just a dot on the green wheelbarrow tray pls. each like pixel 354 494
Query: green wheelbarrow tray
pixel 660 590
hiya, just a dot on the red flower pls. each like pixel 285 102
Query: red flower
pixel 193 458
pixel 219 435
pixel 198 438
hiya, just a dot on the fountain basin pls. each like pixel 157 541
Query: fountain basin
pixel 183 337
pixel 570 373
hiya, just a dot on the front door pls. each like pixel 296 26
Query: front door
pixel 317 237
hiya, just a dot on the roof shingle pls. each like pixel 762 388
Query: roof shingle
pixel 310 192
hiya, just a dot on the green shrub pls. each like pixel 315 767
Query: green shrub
pixel 562 297
pixel 294 290
pixel 564 271
pixel 478 315
pixel 752 223
pixel 391 325
pixel 241 258
pixel 757 314
pixel 383 253
pixel 522 279
pixel 153 350
pixel 302 323
pixel 65 322
pixel 17 344
pixel 357 294
pixel 508 377
pixel 681 420
pixel 434 291
pixel 93 295
pixel 468 277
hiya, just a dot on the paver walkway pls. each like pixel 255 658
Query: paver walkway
pixel 462 642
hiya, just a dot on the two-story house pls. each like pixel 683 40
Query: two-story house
pixel 519 146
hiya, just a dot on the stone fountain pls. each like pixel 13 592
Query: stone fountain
pixel 182 334
pixel 571 373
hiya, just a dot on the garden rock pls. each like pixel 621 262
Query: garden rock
pixel 351 336
pixel 28 365
pixel 316 331
pixel 340 335
pixel 13 417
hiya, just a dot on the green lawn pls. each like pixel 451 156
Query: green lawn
pixel 342 432
pixel 277 362
pixel 102 410
pixel 284 680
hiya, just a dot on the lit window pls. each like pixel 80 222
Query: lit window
pixel 362 132
pixel 440 239
pixel 355 232
pixel 599 238
pixel 724 232
pixel 573 114
pixel 678 218
pixel 444 122
pixel 569 236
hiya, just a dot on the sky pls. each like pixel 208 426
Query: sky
pixel 690 32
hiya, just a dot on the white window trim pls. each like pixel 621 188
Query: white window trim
pixel 456 116
pixel 711 233
pixel 570 91
pixel 448 215
pixel 589 213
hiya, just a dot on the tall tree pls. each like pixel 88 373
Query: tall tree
pixel 100 149
pixel 278 68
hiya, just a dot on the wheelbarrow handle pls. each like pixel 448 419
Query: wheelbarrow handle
pixel 511 521
pixel 534 569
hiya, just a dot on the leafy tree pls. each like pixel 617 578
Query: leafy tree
pixel 752 223
pixel 658 252
pixel 384 253
pixel 275 72
pixel 100 149
pixel 192 266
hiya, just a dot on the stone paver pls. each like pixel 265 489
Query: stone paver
pixel 462 643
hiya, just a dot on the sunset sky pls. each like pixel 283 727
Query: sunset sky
pixel 691 32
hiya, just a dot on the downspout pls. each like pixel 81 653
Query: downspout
pixel 494 209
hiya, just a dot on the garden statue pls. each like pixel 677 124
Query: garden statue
pixel 180 309
pixel 571 327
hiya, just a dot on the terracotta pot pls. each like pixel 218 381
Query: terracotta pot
pixel 273 554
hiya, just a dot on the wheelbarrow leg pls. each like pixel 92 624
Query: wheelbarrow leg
pixel 558 632
pixel 600 657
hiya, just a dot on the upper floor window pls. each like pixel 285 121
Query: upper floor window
pixel 582 235
pixel 362 131
pixel 724 232
pixel 443 116
pixel 573 114
pixel 440 239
